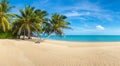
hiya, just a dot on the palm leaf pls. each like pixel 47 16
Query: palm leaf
pixel 20 29
pixel 6 23
pixel 3 25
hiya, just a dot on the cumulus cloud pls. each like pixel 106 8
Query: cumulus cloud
pixel 99 27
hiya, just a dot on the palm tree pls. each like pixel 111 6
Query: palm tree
pixel 41 15
pixel 29 21
pixel 4 15
pixel 56 25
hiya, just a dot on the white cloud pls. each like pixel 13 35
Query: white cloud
pixel 84 5
pixel 99 27
pixel 75 14
pixel 94 9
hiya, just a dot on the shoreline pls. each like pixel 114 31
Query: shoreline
pixel 81 41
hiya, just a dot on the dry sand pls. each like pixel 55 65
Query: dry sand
pixel 59 53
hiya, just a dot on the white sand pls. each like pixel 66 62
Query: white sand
pixel 59 53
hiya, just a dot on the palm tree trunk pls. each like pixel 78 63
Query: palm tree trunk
pixel 29 37
pixel 24 34
pixel 18 36
pixel 41 40
pixel 47 37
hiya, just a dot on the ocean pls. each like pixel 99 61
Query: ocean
pixel 88 38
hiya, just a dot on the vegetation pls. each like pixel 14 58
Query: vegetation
pixel 56 25
pixel 5 17
pixel 6 35
pixel 29 21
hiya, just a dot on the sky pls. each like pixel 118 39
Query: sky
pixel 87 17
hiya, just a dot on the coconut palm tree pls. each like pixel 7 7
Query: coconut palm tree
pixel 4 15
pixel 56 25
pixel 29 21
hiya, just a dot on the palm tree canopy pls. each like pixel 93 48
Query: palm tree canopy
pixel 30 19
pixel 4 15
pixel 56 24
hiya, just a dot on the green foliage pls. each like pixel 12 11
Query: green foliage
pixel 29 21
pixel 5 17
pixel 6 35
pixel 56 25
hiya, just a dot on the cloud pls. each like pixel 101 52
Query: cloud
pixel 84 5
pixel 94 9
pixel 75 14
pixel 99 27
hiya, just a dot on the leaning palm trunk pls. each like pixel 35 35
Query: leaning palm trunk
pixel 46 37
pixel 41 40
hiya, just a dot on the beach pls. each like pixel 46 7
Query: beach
pixel 58 53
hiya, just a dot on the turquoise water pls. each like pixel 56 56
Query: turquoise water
pixel 88 38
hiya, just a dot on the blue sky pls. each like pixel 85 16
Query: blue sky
pixel 87 17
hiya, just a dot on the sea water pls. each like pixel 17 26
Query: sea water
pixel 88 38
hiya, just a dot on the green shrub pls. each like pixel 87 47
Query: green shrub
pixel 6 35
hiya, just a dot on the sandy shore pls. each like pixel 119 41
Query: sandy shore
pixel 59 53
